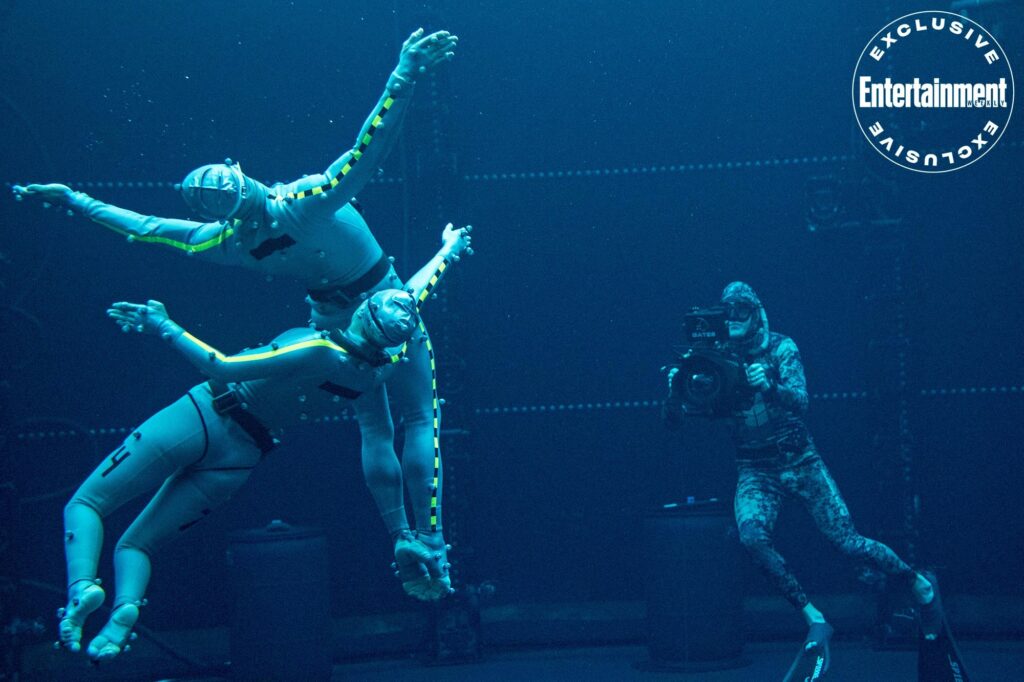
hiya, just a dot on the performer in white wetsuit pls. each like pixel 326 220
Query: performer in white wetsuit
pixel 310 230
pixel 200 449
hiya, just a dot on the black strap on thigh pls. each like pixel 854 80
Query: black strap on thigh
pixel 226 403
pixel 206 434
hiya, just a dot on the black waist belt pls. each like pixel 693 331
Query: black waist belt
pixel 775 452
pixel 227 404
pixel 344 295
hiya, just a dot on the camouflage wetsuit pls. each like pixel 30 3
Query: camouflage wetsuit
pixel 776 458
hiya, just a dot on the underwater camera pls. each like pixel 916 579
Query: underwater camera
pixel 712 381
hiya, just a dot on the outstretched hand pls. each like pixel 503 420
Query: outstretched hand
pixel 147 318
pixel 55 193
pixel 457 241
pixel 420 53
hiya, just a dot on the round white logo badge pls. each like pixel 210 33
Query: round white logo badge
pixel 933 92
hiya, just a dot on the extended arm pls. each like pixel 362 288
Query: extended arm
pixel 454 242
pixel 344 178
pixel 184 235
pixel 309 355
pixel 791 387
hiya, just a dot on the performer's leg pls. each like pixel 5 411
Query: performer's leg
pixel 758 499
pixel 814 658
pixel 162 444
pixel 381 468
pixel 184 500
pixel 414 386
pixel 814 485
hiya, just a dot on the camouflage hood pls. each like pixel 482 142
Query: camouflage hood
pixel 743 292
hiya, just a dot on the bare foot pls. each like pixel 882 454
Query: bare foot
pixel 116 634
pixel 81 602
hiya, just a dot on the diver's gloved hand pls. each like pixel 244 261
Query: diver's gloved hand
pixel 456 242
pixel 148 318
pixel 52 193
pixel 420 53
pixel 672 372
pixel 422 563
pixel 672 410
pixel 757 377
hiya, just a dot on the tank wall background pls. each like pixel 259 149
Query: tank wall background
pixel 575 295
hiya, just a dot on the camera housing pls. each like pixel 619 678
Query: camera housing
pixel 712 380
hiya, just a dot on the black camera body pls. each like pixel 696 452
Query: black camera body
pixel 712 380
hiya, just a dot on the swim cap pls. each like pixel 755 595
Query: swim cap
pixel 386 319
pixel 214 191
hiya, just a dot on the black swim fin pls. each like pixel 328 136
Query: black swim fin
pixel 939 660
pixel 815 657
pixel 938 657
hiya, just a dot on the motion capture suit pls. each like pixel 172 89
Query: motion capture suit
pixel 201 448
pixel 776 457
pixel 309 230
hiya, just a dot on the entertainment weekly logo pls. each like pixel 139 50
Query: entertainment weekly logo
pixel 933 92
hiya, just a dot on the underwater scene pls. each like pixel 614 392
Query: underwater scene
pixel 436 340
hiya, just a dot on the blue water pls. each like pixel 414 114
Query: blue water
pixel 620 162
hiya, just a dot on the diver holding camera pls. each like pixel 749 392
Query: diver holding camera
pixel 736 369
